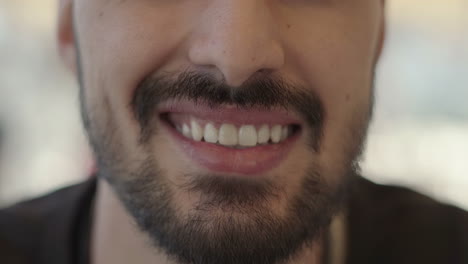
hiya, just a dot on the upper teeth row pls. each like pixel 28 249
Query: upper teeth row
pixel 230 135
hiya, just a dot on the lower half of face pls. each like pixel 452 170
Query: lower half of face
pixel 219 183
pixel 216 173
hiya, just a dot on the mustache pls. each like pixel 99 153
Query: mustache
pixel 261 92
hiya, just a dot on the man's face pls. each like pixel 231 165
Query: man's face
pixel 228 127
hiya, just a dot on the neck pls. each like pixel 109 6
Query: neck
pixel 116 239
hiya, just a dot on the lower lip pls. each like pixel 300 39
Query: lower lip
pixel 249 161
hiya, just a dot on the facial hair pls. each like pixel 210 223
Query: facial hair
pixel 246 231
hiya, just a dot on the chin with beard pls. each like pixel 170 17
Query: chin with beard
pixel 231 221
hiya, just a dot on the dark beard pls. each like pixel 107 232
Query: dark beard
pixel 229 227
pixel 246 230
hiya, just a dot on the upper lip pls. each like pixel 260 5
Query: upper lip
pixel 232 114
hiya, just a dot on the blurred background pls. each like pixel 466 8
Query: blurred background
pixel 419 137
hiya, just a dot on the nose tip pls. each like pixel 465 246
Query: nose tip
pixel 239 43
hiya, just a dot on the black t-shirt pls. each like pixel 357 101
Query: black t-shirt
pixel 386 225
pixel 53 229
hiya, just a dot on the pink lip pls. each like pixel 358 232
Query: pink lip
pixel 249 161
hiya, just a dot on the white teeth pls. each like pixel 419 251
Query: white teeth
pixel 263 134
pixel 276 134
pixel 211 133
pixel 197 131
pixel 284 133
pixel 228 135
pixel 247 136
pixel 186 131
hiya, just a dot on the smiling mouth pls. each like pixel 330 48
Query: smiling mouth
pixel 227 134
pixel 231 140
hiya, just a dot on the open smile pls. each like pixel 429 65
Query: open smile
pixel 232 140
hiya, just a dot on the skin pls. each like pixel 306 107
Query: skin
pixel 330 46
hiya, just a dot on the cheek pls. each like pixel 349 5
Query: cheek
pixel 333 50
pixel 120 44
pixel 338 64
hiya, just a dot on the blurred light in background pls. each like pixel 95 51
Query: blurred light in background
pixel 419 136
pixel 43 144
